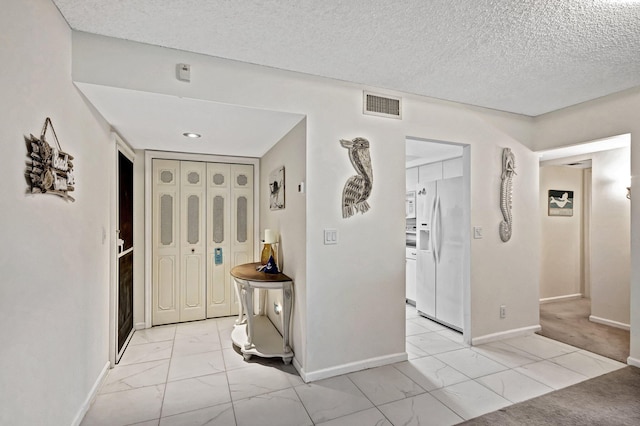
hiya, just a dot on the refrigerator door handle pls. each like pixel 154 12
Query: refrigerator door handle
pixel 432 227
pixel 435 230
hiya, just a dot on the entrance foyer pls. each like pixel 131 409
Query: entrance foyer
pixel 202 226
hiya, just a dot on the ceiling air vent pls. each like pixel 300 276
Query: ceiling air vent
pixel 585 164
pixel 382 106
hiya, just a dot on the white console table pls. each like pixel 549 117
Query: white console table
pixel 255 334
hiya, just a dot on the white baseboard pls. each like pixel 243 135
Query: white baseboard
pixel 92 394
pixel 561 298
pixel 325 373
pixel 140 326
pixel 516 332
pixel 633 361
pixel 609 322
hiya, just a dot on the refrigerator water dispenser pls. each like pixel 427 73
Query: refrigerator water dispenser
pixel 424 240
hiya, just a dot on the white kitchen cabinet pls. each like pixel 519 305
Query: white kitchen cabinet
pixel 412 178
pixel 411 275
pixel 452 168
pixel 430 172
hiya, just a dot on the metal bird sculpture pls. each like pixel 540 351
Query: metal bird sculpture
pixel 357 188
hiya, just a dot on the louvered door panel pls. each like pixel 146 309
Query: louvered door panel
pixel 166 249
pixel 192 240
pixel 202 226
pixel 219 296
pixel 242 242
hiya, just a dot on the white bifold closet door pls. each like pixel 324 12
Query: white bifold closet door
pixel 192 263
pixel 202 227
pixel 229 232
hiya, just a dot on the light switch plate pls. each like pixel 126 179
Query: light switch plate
pixel 477 232
pixel 330 236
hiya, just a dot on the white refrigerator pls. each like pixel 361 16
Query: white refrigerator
pixel 439 218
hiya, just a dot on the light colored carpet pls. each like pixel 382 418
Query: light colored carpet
pixel 568 322
pixel 611 399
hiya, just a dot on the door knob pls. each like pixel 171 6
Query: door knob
pixel 193 250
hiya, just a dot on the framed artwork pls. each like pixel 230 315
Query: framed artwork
pixel 560 203
pixel 276 189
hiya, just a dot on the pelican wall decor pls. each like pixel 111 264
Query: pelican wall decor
pixel 357 188
pixel 506 193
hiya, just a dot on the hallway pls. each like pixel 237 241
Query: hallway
pixel 189 374
pixel 568 322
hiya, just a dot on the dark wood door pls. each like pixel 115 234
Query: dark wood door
pixel 125 251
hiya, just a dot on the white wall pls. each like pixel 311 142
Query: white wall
pixel 290 224
pixel 355 290
pixel 138 241
pixel 54 291
pixel 561 236
pixel 613 115
pixel 504 273
pixel 610 236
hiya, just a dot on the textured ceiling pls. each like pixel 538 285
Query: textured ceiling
pixel 524 56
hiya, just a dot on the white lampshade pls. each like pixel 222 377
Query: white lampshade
pixel 270 236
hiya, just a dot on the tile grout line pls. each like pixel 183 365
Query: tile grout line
pixel 542 359
pixel 302 402
pixel 226 371
pixel 517 352
pixel 365 395
pixel 141 387
pixel 203 375
pixel 166 381
pixel 508 368
pixel 401 399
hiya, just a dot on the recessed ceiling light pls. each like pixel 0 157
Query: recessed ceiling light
pixel 192 135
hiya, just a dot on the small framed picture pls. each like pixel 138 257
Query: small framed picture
pixel 560 203
pixel 276 189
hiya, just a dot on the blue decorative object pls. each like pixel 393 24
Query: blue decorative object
pixel 217 256
pixel 271 267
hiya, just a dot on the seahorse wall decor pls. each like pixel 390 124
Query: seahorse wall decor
pixel 357 188
pixel 506 193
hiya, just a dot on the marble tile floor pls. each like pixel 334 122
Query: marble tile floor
pixel 190 374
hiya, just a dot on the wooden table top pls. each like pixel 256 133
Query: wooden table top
pixel 248 272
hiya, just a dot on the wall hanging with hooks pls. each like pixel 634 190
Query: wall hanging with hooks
pixel 49 168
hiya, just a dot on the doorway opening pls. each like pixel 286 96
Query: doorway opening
pixel 437 237
pixel 125 253
pixel 585 246
pixel 121 291
pixel 200 221
pixel 202 226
